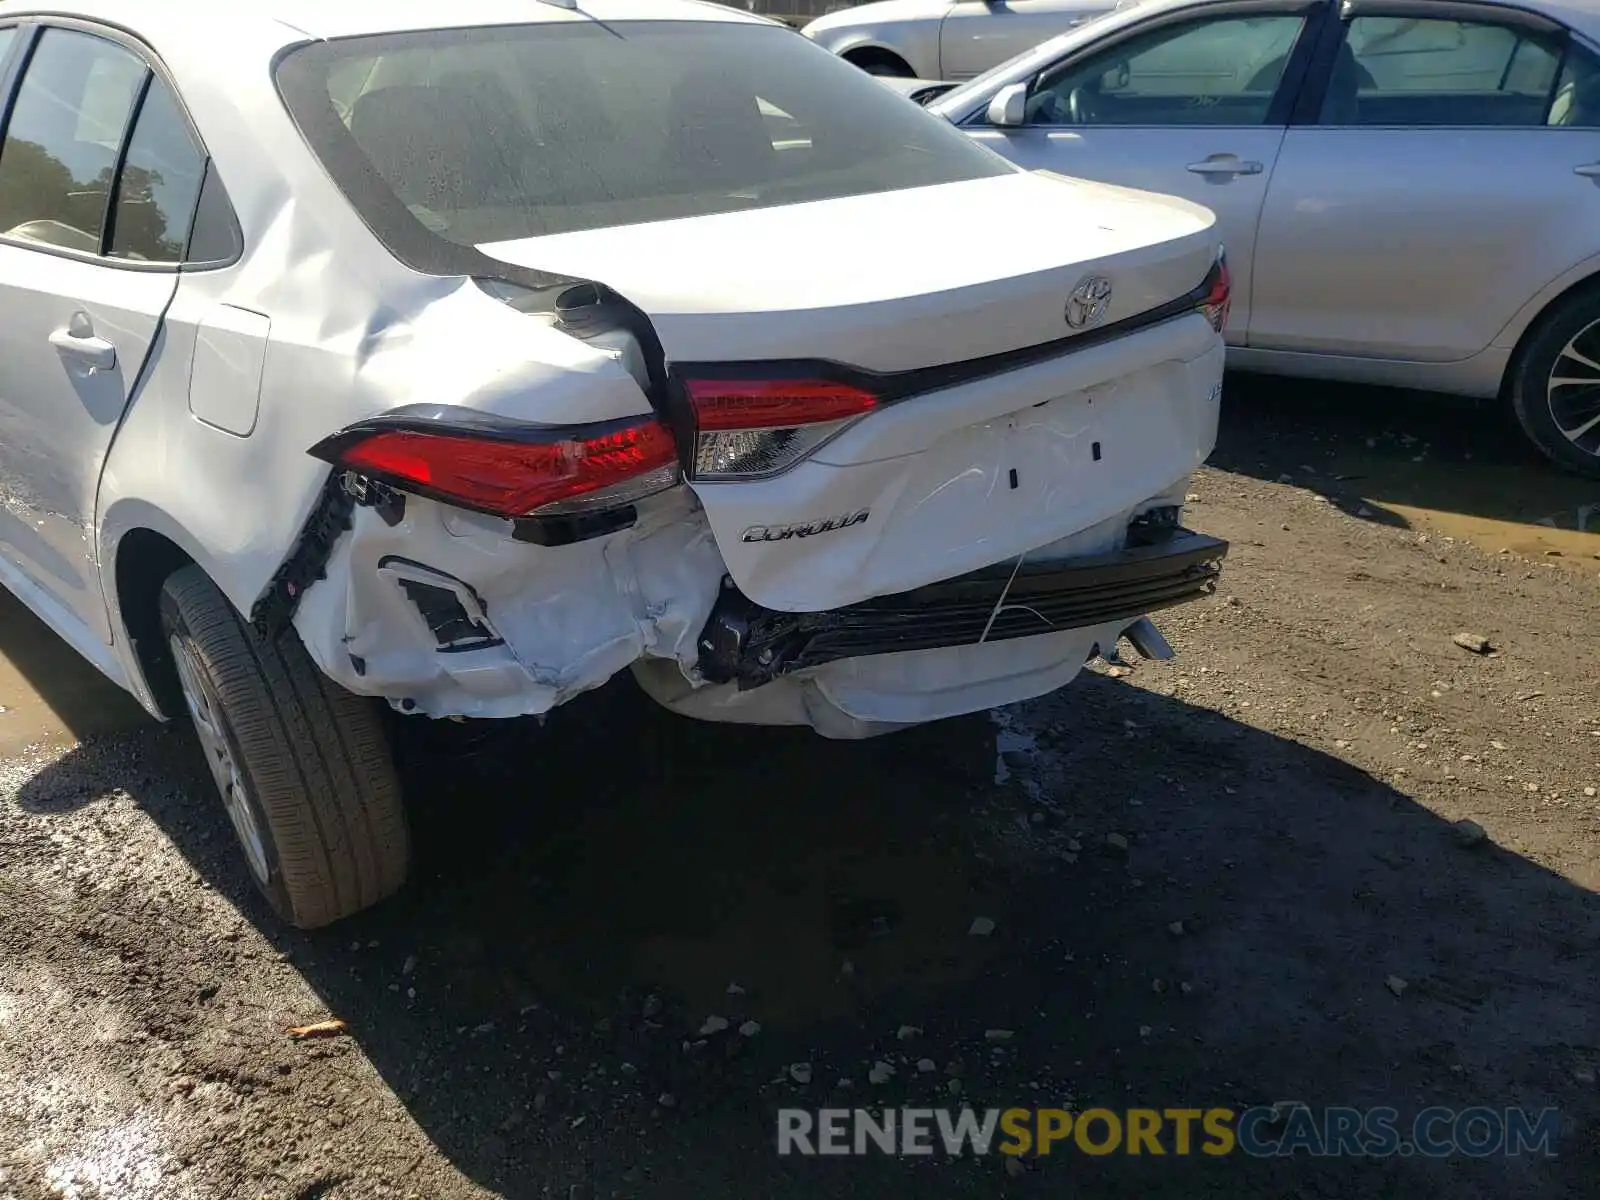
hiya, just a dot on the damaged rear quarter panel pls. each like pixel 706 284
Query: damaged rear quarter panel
pixel 354 333
pixel 571 616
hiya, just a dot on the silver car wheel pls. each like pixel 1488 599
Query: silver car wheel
pixel 214 743
pixel 1573 391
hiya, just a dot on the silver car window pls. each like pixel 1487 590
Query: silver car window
pixel 1406 71
pixel 59 157
pixel 1217 71
pixel 1577 99
pixel 159 183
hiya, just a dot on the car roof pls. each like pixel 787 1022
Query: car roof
pixel 1583 15
pixel 1580 15
pixel 288 21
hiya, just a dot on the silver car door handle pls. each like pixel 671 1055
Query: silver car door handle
pixel 92 351
pixel 1224 166
pixel 1592 170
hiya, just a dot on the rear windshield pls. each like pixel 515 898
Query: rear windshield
pixel 486 135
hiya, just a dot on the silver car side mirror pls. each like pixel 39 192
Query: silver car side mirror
pixel 1009 108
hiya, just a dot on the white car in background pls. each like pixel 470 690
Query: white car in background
pixel 1409 190
pixel 947 39
pixel 459 358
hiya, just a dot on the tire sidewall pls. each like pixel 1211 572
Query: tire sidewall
pixel 1530 397
pixel 274 889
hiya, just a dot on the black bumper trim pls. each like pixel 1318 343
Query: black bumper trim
pixel 745 643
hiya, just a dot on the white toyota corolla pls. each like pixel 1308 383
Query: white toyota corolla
pixel 345 357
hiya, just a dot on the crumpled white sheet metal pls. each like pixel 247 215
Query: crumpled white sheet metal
pixel 571 616
pixel 865 697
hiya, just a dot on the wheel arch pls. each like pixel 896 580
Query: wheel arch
pixel 1519 331
pixel 144 549
pixel 862 53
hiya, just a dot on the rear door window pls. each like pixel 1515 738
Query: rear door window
pixel 1577 99
pixel 58 161
pixel 159 184
pixel 1414 71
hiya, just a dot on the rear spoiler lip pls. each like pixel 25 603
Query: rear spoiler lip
pixel 893 386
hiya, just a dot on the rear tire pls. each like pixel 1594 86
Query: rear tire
pixel 302 765
pixel 881 62
pixel 1554 384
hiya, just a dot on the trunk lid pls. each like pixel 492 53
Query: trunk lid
pixel 957 478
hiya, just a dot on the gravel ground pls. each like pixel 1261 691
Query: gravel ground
pixel 533 1016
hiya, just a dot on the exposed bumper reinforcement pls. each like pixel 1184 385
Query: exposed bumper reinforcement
pixel 745 643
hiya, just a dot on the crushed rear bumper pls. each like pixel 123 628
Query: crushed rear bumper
pixel 744 643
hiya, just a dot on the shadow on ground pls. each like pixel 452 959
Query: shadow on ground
pixel 586 892
pixel 1459 465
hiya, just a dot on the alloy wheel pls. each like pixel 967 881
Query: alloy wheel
pixel 1573 390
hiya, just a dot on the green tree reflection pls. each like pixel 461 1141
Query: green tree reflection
pixel 41 201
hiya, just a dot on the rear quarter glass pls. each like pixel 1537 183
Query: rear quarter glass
pixel 482 135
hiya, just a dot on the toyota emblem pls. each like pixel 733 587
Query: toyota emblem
pixel 1088 302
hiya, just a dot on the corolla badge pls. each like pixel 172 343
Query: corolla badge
pixel 804 529
pixel 1088 302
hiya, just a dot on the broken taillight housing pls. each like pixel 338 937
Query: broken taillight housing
pixel 521 472
pixel 753 428
pixel 1218 287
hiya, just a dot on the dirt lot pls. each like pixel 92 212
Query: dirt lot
pixel 524 1021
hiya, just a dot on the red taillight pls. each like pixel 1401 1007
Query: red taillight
pixel 1219 295
pixel 749 428
pixel 511 478
pixel 773 403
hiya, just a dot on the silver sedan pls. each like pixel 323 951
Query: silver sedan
pixel 1409 190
